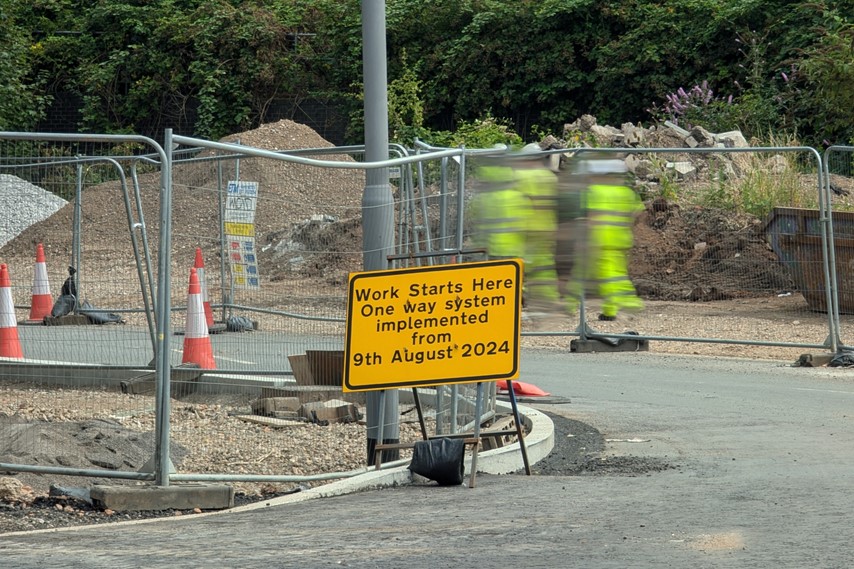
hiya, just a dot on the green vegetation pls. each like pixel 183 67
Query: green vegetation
pixel 764 184
pixel 22 89
pixel 784 67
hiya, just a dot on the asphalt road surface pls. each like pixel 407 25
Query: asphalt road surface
pixel 761 455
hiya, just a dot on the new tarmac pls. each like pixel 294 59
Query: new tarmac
pixel 762 457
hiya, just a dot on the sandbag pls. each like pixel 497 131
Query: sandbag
pixel 842 359
pixel 440 460
pixel 239 324
pixel 64 305
pixel 99 316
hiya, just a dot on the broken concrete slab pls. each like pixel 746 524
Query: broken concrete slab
pixel 642 168
pixel 272 406
pixel 634 136
pixel 677 129
pixel 334 411
pixel 700 138
pixel 582 124
pixel 684 170
pixel 607 135
pixel 732 139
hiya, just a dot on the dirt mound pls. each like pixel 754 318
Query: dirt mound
pixel 90 445
pixel 309 230
pixel 703 254
pixel 290 195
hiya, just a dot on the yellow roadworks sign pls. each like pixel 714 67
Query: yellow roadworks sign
pixel 433 325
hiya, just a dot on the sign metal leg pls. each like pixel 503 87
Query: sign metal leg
pixel 519 431
pixel 378 453
pixel 420 413
pixel 478 410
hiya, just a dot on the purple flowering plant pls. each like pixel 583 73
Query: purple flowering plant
pixel 697 105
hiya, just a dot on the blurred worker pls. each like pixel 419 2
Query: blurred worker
pixel 537 182
pixel 611 207
pixel 571 236
pixel 499 210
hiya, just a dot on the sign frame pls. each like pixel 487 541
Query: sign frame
pixel 505 274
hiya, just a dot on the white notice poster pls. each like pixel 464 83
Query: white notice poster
pixel 240 233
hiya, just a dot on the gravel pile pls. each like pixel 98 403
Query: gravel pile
pixel 23 204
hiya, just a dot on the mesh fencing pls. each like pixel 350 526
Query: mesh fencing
pixel 272 238
pixel 73 239
pixel 839 166
pixel 722 228
pixel 309 214
pixel 271 243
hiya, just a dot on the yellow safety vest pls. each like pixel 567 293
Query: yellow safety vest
pixel 540 185
pixel 611 214
pixel 500 213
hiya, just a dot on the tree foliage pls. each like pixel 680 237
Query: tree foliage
pixel 154 63
pixel 534 64
pixel 22 95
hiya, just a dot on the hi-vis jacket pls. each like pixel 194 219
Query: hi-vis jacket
pixel 540 186
pixel 611 213
pixel 500 211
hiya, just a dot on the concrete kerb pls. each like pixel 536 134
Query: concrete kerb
pixel 539 443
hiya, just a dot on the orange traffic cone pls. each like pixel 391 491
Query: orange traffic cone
pixel 42 302
pixel 197 343
pixel 10 345
pixel 199 265
pixel 524 389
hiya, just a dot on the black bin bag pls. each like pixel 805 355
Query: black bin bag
pixel 440 460
pixel 63 306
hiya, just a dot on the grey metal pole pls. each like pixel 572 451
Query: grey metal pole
pixel 77 238
pixel 163 372
pixel 150 296
pixel 377 202
pixel 443 209
pixel 478 411
pixel 227 295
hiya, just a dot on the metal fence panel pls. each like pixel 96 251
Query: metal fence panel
pixel 76 201
pixel 271 239
pixel 839 166
pixel 719 227
pixel 307 229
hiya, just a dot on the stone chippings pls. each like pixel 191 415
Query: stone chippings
pixel 23 204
